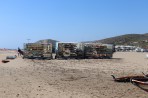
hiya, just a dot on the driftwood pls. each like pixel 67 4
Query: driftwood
pixel 126 78
pixel 145 75
pixel 5 61
pixel 141 83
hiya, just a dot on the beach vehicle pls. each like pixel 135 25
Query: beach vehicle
pixel 37 50
pixel 69 50
pixel 127 78
pixel 141 83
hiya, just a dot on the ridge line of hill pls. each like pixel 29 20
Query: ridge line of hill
pixel 140 40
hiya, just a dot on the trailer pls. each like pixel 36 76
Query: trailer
pixel 36 50
pixel 69 50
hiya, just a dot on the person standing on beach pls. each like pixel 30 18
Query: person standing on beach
pixel 18 51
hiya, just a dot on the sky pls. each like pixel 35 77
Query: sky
pixel 69 20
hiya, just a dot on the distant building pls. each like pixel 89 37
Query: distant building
pixel 124 48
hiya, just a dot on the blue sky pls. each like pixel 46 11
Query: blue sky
pixel 69 20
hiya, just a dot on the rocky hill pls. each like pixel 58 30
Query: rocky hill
pixel 140 40
pixel 128 39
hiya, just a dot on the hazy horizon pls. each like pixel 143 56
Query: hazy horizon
pixel 69 20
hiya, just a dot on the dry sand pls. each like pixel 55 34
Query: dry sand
pixel 23 78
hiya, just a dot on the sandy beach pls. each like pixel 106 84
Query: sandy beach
pixel 88 78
